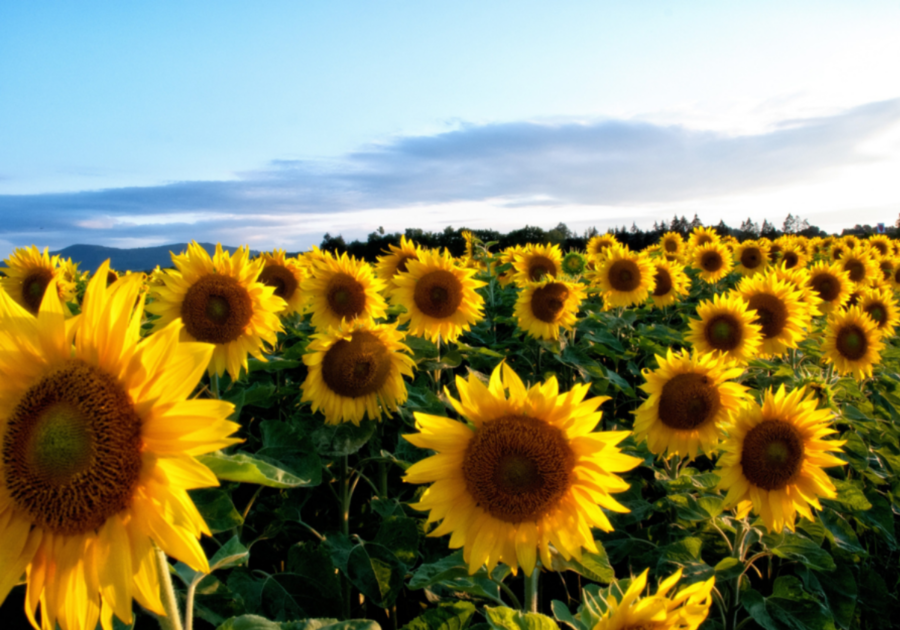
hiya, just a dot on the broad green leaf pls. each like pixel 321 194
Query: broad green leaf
pixel 453 573
pixel 231 554
pixel 793 546
pixel 249 622
pixel 376 572
pixel 503 618
pixel 839 532
pixel 286 447
pixel 593 566
pixel 249 469
pixel 216 508
pixel 728 569
pixel 448 616
pixel 400 534
pixel 564 615
pixel 337 440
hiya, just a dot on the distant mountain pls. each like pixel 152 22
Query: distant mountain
pixel 90 257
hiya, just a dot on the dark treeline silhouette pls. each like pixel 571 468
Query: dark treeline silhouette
pixel 452 239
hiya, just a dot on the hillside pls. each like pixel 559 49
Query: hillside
pixel 90 257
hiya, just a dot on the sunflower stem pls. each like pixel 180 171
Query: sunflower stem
pixel 172 618
pixel 531 591
pixel 345 530
pixel 512 596
pixel 214 385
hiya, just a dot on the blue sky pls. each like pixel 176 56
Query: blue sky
pixel 272 123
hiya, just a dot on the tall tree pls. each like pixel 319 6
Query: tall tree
pixel 695 223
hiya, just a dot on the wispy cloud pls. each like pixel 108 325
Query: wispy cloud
pixel 573 163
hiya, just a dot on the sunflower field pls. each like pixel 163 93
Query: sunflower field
pixel 702 434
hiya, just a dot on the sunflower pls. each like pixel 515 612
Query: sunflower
pixel 597 246
pixel 573 263
pixel 780 312
pixel 542 308
pixel 671 283
pixel 342 288
pixel 285 275
pixel 888 265
pixel 537 261
pixel 774 250
pixel 726 328
pixel 394 261
pixel 713 260
pixel 793 255
pixel 690 400
pixel 28 274
pixel 861 266
pixel 99 440
pixel 831 283
pixel 525 471
pixel 751 257
pixel 774 455
pixel 880 304
pixel 356 369
pixel 671 245
pixel 508 257
pixel 798 278
pixel 440 297
pixel 685 610
pixel 625 277
pixel 852 342
pixel 851 241
pixel 700 236
pixel 220 301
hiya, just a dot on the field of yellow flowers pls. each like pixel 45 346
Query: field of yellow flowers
pixel 702 434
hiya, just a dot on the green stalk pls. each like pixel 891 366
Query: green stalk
pixel 172 619
pixel 531 591
pixel 344 497
pixel 214 385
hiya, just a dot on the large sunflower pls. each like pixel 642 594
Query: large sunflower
pixel 671 245
pixel 852 342
pixel 831 283
pixel 220 301
pixel 861 266
pixel 690 400
pixel 28 274
pixel 284 274
pixel 98 445
pixel 713 261
pixel 542 308
pixel 881 243
pixel 356 369
pixel 880 304
pixel 394 261
pixel 671 283
pixel 625 277
pixel 774 455
pixel 794 255
pixel 597 246
pixel 440 297
pixel 701 236
pixel 342 288
pixel 524 472
pixel 684 610
pixel 726 328
pixel 537 261
pixel 779 311
pixel 751 257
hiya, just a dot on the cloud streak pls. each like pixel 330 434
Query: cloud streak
pixel 597 163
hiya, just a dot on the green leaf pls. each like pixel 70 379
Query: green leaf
pixel 837 590
pixel 453 573
pixel 400 534
pixel 247 468
pixel 728 569
pixel 249 622
pixel 216 508
pixel 272 364
pixel 447 616
pixel 342 439
pixel 792 546
pixel 231 554
pixel 839 532
pixel 503 618
pixel 564 615
pixel 258 395
pixel 286 447
pixel 789 607
pixel 376 572
pixel 850 496
pixel 593 566
pixel 330 624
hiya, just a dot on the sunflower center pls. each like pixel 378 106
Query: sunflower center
pixel 771 314
pixel 72 450
pixel 856 270
pixel 540 266
pixel 664 282
pixel 688 401
pixel 33 287
pixel 346 296
pixel 547 302
pixel 671 246
pixel 723 332
pixel 704 239
pixel 881 247
pixel 790 260
pixel 837 253
pixel 401 266
pixel 774 251
pixel 624 275
pixel 711 261
pixel 111 276
pixel 751 257
pixel 573 264
pixel 827 286
pixel 772 454
pixel 281 278
pixel 876 311
pixel 438 293
pixel 518 468
pixel 851 342
pixel 216 309
pixel 357 367
pixel 887 269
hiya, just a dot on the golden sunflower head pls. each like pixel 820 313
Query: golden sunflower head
pixel 221 302
pixel 542 308
pixel 440 297
pixel 888 265
pixel 861 266
pixel 780 312
pixel 537 262
pixel 684 610
pixel 751 257
pixel 624 277
pixel 671 283
pixel 880 304
pixel 774 455
pixel 881 245
pixel 284 274
pixel 356 369
pixel 852 342
pixel 342 288
pixel 508 257
pixel 726 328
pixel 597 246
pixel 97 453
pixel 690 400
pixel 794 255
pixel 395 260
pixel 525 470
pixel 29 272
pixel 701 236
pixel 713 261
pixel 671 244
pixel 831 283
